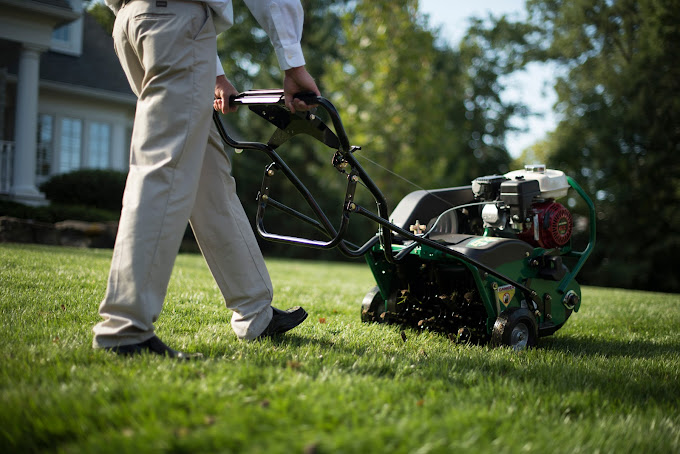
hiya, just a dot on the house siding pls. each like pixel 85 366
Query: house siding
pixel 86 88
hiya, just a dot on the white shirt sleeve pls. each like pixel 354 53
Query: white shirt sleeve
pixel 220 69
pixel 282 20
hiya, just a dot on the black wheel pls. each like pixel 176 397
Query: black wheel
pixel 516 328
pixel 373 306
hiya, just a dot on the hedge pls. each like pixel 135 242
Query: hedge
pixel 96 188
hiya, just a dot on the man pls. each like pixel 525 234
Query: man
pixel 179 171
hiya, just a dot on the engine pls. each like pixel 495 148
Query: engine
pixel 522 203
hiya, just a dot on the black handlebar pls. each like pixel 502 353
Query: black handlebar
pixel 275 97
pixel 269 104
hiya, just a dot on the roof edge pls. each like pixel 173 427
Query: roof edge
pixel 93 93
pixel 60 12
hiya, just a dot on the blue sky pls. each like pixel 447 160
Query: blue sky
pixel 534 86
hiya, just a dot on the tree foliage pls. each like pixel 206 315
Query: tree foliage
pixel 415 107
pixel 101 13
pixel 619 99
pixel 619 102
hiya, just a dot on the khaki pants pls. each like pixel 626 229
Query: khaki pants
pixel 178 172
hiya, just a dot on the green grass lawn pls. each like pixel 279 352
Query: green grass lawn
pixel 609 381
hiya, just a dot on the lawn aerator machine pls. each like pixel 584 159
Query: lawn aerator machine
pixel 478 263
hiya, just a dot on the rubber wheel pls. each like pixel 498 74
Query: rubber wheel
pixel 516 328
pixel 372 306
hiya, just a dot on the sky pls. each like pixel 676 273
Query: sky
pixel 533 87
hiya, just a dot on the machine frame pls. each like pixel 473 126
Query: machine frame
pixel 522 298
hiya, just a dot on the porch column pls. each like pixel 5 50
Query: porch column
pixel 26 128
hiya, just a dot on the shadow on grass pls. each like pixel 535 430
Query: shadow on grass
pixel 589 346
pixel 599 366
pixel 288 340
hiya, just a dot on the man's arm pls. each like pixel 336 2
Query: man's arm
pixel 283 20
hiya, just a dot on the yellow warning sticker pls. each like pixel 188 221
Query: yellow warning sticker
pixel 505 294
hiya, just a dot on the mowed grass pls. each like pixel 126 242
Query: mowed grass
pixel 609 381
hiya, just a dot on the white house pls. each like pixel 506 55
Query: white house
pixel 65 103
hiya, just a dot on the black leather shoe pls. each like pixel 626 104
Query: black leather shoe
pixel 154 346
pixel 283 321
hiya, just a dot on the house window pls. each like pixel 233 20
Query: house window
pixel 62 34
pixel 99 145
pixel 45 140
pixel 71 142
pixel 68 39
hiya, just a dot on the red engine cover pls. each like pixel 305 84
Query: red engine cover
pixel 554 226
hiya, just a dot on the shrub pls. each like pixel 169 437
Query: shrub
pixel 102 189
pixel 56 213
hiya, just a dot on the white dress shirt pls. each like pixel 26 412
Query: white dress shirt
pixel 281 19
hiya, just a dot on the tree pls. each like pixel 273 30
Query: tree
pixel 415 106
pixel 101 13
pixel 620 103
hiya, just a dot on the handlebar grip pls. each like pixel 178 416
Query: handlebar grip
pixel 308 97
pixel 270 97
